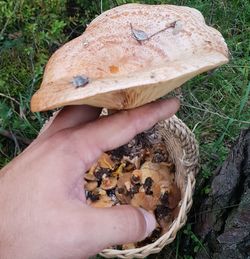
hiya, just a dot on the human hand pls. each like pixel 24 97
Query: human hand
pixel 43 206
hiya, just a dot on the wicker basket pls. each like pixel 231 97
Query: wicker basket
pixel 183 149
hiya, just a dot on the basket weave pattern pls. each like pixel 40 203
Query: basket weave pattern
pixel 183 150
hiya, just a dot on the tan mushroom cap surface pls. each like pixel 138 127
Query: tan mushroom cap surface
pixel 125 72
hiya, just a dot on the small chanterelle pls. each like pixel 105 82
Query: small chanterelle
pixel 129 56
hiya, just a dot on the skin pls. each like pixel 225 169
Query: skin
pixel 43 206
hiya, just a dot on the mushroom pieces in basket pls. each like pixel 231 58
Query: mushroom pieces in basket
pixel 136 180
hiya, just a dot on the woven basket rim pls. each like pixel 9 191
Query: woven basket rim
pixel 179 130
pixel 182 132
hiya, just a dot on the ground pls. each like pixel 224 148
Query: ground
pixel 215 105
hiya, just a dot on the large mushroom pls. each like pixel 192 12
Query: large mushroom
pixel 129 56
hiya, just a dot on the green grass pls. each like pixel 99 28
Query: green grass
pixel 215 105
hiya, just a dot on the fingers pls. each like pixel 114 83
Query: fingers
pixel 119 225
pixel 76 149
pixel 113 131
pixel 68 117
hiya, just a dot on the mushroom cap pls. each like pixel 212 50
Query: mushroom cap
pixel 90 174
pixel 105 161
pixel 90 186
pixel 116 63
pixel 103 202
pixel 144 201
pixel 108 183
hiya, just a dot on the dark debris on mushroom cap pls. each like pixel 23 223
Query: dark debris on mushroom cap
pixel 161 211
pixel 93 196
pixel 164 198
pixel 135 179
pixel 100 172
pixel 147 185
pixel 134 189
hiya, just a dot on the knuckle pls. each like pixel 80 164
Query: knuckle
pixel 133 121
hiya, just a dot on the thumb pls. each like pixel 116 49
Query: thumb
pixel 121 224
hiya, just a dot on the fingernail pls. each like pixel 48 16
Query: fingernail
pixel 150 222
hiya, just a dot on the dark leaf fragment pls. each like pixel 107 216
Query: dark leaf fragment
pixel 161 211
pixel 139 35
pixel 80 81
pixel 93 196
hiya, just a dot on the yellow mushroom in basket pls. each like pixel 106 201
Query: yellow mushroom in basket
pixel 123 188
pixel 105 161
pixel 90 185
pixel 104 202
pixel 101 199
pixel 89 176
pixel 108 183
